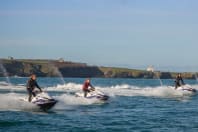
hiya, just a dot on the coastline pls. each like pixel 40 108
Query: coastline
pixel 58 68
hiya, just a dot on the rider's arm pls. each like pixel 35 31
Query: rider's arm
pixel 92 86
pixel 182 81
pixel 28 84
pixel 36 84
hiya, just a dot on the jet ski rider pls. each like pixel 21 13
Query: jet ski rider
pixel 86 86
pixel 31 84
pixel 179 81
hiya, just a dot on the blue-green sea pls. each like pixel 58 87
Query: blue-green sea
pixel 135 105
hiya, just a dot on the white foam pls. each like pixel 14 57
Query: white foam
pixel 12 101
pixel 4 83
pixel 125 90
pixel 11 87
pixel 66 100
pixel 66 87
pixel 117 90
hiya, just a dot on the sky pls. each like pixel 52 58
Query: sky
pixel 120 33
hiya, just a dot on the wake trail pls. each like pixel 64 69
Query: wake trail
pixel 65 94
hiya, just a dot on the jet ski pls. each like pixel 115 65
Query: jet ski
pixel 186 89
pixel 95 94
pixel 43 101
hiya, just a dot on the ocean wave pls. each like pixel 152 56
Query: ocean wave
pixel 66 96
pixel 125 90
pixel 12 101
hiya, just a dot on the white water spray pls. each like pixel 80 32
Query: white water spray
pixel 66 96
pixel 196 77
pixel 57 72
pixel 158 77
pixel 4 71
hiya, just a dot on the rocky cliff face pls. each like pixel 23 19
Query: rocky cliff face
pixel 81 72
pixel 53 68
pixel 49 68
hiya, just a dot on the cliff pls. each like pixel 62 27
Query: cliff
pixel 57 68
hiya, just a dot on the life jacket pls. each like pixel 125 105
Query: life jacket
pixel 86 85
pixel 32 84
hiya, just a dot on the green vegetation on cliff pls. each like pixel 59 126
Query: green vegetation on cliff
pixel 56 68
pixel 49 68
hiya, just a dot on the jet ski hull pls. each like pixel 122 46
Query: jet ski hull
pixel 190 90
pixel 45 105
pixel 102 98
pixel 94 95
pixel 43 101
pixel 186 90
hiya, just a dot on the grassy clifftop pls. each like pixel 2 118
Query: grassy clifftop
pixel 48 68
pixel 134 73
pixel 53 68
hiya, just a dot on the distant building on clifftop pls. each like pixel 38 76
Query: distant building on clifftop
pixel 150 69
pixel 10 58
pixel 61 60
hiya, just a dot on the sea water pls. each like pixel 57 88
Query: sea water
pixel 134 105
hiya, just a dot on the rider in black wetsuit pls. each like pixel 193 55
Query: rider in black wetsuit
pixel 179 81
pixel 31 84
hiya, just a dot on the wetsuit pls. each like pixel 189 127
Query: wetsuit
pixel 30 88
pixel 179 81
pixel 86 88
